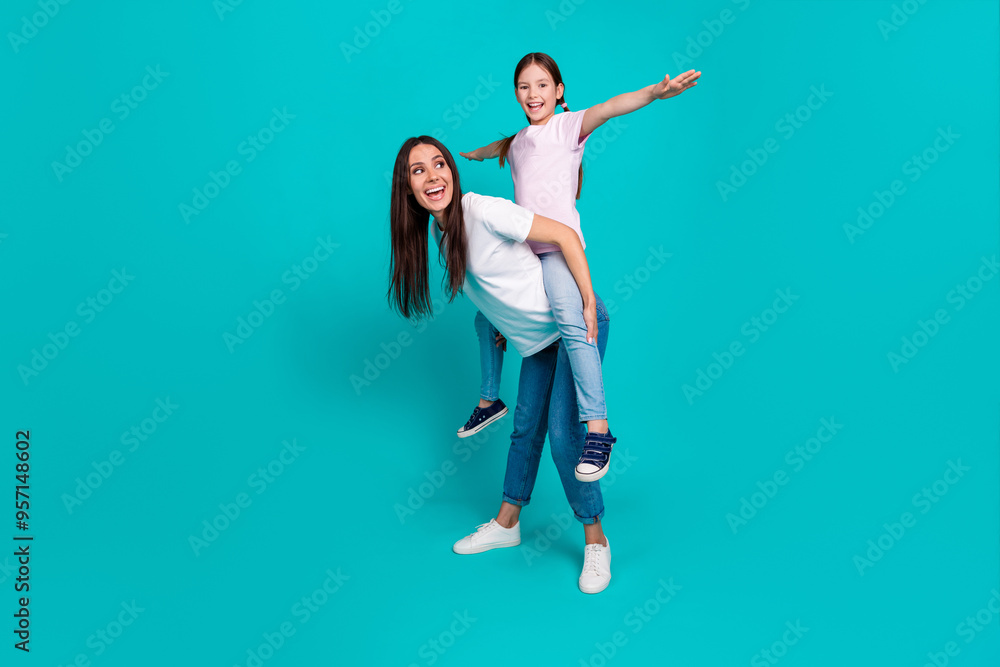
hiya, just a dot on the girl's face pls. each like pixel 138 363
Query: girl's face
pixel 430 178
pixel 537 94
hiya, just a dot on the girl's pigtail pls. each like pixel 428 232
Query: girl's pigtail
pixel 503 149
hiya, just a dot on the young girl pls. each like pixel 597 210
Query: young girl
pixel 545 163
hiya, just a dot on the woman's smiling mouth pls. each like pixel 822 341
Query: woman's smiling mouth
pixel 435 193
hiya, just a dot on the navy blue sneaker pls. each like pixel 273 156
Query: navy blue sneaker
pixel 482 417
pixel 596 454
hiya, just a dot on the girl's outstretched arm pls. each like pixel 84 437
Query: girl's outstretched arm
pixel 547 230
pixel 620 105
pixel 487 152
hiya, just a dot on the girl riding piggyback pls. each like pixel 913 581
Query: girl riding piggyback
pixel 545 163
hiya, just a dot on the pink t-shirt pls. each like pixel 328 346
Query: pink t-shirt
pixel 545 165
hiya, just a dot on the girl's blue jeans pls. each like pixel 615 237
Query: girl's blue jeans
pixel 490 358
pixel 585 359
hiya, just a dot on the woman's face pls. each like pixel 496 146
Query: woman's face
pixel 536 93
pixel 430 178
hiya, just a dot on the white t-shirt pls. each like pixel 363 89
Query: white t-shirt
pixel 503 277
pixel 545 166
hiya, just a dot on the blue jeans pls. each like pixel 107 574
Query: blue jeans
pixel 490 358
pixel 585 359
pixel 567 307
pixel 546 398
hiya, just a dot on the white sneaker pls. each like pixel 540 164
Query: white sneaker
pixel 596 573
pixel 489 536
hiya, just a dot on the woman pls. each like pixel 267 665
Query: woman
pixel 486 257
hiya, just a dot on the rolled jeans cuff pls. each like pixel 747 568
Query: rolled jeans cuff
pixel 515 501
pixel 591 519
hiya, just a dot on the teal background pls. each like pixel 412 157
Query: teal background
pixel 367 446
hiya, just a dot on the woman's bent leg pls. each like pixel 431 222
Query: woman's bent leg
pixel 567 438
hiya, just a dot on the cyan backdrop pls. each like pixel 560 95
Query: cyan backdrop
pixel 239 456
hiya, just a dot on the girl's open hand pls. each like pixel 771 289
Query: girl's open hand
pixel 471 155
pixel 501 342
pixel 671 87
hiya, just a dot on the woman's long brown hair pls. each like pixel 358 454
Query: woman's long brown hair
pixel 408 224
pixel 546 62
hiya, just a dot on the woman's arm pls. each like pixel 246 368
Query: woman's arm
pixel 547 230
pixel 487 152
pixel 620 105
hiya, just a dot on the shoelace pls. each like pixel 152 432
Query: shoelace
pixel 592 559
pixel 483 528
pixel 472 419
